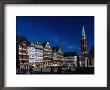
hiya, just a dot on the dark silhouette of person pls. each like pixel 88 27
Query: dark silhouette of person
pixel 30 70
pixel 41 69
pixel 69 69
pixel 59 70
pixel 18 70
pixel 21 70
pixel 51 70
pixel 25 70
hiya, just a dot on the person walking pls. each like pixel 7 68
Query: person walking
pixel 51 70
pixel 30 70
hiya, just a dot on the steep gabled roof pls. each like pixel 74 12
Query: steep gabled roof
pixel 44 43
pixel 55 49
pixel 35 43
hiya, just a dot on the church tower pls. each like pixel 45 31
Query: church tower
pixel 83 43
pixel 84 48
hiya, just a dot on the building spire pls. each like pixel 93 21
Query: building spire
pixel 83 32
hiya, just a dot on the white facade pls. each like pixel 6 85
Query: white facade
pixel 39 53
pixel 32 54
pixel 35 53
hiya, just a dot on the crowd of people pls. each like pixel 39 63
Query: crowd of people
pixel 61 70
pixel 52 69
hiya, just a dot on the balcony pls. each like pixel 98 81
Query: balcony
pixel 23 59
pixel 22 53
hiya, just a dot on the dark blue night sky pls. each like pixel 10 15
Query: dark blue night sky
pixel 57 30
